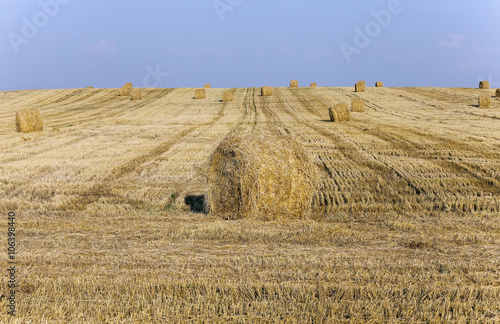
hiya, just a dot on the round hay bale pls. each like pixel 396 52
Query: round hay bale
pixel 379 84
pixel 200 94
pixel 484 101
pixel 266 91
pixel 91 87
pixel 260 177
pixel 125 91
pixel 136 94
pixel 228 96
pixel 207 86
pixel 484 85
pixel 497 93
pixel 360 86
pixel 314 85
pixel 294 84
pixel 29 120
pixel 358 105
pixel 339 112
pixel 128 85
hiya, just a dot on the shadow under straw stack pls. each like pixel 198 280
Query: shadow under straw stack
pixel 29 120
pixel 260 177
pixel 339 112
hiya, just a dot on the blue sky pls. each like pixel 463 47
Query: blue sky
pixel 52 44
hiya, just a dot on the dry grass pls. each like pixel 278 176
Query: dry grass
pixel 136 94
pixel 404 228
pixel 340 112
pixel 266 91
pixel 294 84
pixel 228 96
pixel 260 177
pixel 200 94
pixel 484 101
pixel 360 86
pixel 379 84
pixel 314 85
pixel 207 86
pixel 484 85
pixel 358 105
pixel 29 120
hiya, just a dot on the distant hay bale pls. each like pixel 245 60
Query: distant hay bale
pixel 125 91
pixel 266 91
pixel 358 104
pixel 91 87
pixel 200 94
pixel 484 85
pixel 128 85
pixel 136 94
pixel 228 96
pixel 207 86
pixel 497 93
pixel 294 84
pixel 340 112
pixel 484 101
pixel 379 84
pixel 314 85
pixel 29 120
pixel 260 177
pixel 360 87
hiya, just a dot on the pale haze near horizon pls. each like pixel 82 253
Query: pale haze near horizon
pixel 56 44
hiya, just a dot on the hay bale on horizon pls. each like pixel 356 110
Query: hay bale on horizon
pixel 228 96
pixel 128 85
pixel 358 105
pixel 125 91
pixel 260 177
pixel 136 94
pixel 200 94
pixel 484 85
pixel 360 87
pixel 497 93
pixel 294 84
pixel 379 84
pixel 266 91
pixel 314 85
pixel 91 87
pixel 29 120
pixel 339 112
pixel 484 101
pixel 207 86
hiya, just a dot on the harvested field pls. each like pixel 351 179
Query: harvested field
pixel 405 221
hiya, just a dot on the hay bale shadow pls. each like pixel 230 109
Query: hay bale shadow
pixel 196 203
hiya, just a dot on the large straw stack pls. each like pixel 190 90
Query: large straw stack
pixel 29 120
pixel 125 91
pixel 340 112
pixel 294 84
pixel 228 96
pixel 207 86
pixel 314 85
pixel 484 101
pixel 360 86
pixel 200 94
pixel 266 91
pixel 260 177
pixel 136 94
pixel 358 105
pixel 379 84
pixel 484 85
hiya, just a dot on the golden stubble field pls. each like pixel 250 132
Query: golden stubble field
pixel 405 225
